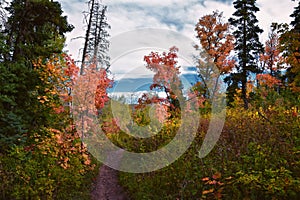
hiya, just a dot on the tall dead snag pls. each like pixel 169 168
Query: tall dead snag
pixel 96 38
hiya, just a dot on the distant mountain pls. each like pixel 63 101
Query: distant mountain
pixel 143 84
pixel 130 90
pixel 131 85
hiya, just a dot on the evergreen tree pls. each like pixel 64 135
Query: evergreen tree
pixel 292 50
pixel 248 46
pixel 35 28
pixel 3 19
pixel 296 15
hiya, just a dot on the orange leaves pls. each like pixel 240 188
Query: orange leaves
pixel 63 145
pixel 214 180
pixel 267 80
pixel 217 185
pixel 217 175
pixel 204 192
pixel 205 179
pixel 272 53
pixel 87 160
pixel 43 99
pixel 215 46
pixel 57 75
pixel 216 41
pixel 267 84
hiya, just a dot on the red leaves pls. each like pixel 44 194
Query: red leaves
pixel 90 96
pixel 164 67
pixel 72 70
pixel 166 77
pixel 101 96
pixel 111 126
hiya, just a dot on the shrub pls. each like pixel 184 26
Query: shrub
pixel 256 157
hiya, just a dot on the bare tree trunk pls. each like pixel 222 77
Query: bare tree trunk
pixel 87 37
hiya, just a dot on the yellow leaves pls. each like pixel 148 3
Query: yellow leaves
pixel 43 99
pixel 204 192
pixel 228 178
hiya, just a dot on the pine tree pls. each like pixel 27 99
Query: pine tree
pixel 248 46
pixel 35 28
pixel 296 15
pixel 293 50
pixel 3 19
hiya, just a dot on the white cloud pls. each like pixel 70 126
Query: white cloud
pixel 150 3
pixel 177 15
pixel 274 12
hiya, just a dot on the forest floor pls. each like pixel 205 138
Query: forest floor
pixel 106 186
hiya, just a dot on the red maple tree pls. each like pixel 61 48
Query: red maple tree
pixel 166 79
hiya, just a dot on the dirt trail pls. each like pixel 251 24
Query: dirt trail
pixel 106 186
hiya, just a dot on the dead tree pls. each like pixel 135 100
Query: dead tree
pixel 96 44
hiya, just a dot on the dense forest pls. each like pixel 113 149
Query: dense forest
pixel 48 101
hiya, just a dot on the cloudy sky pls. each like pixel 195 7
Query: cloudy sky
pixel 174 17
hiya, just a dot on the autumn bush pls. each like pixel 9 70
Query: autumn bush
pixel 118 121
pixel 256 157
pixel 50 168
pixel 44 159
